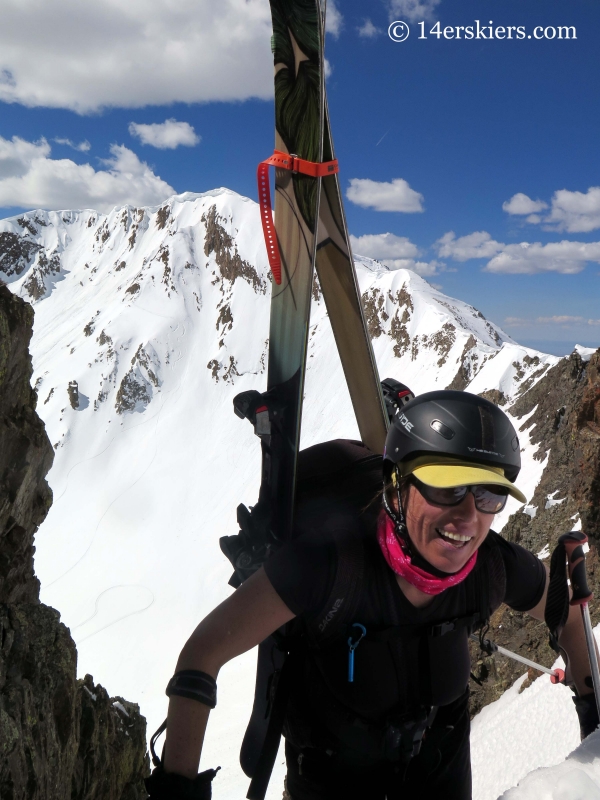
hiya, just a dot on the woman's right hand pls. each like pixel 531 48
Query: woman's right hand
pixel 163 785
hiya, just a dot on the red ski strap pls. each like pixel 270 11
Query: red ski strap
pixel 294 164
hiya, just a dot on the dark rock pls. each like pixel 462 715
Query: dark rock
pixel 466 372
pixel 59 737
pixel 25 455
pixel 73 392
pixel 494 396
pixel 373 307
pixel 16 253
pixel 231 264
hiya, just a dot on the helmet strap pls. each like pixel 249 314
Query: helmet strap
pixel 397 516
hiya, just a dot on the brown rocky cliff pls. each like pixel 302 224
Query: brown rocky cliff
pixel 564 409
pixel 59 737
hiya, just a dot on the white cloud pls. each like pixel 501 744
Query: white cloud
pixel 29 178
pixel 16 156
pixel 567 321
pixel 396 252
pixel 413 10
pixel 564 320
pixel 575 212
pixel 85 56
pixel 384 245
pixel 82 147
pixel 382 196
pixel 476 245
pixel 518 322
pixel 368 30
pixel 521 204
pixel 165 135
pixel 564 257
pixel 333 19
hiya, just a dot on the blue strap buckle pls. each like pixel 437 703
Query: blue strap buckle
pixel 352 645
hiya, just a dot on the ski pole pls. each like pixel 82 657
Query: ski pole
pixel 556 675
pixel 573 543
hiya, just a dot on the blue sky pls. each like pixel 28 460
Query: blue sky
pixel 472 161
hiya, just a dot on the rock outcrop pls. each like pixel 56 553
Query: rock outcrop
pixel 59 737
pixel 563 412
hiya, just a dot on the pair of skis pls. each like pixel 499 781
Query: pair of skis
pixel 309 234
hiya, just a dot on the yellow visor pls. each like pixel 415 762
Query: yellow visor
pixel 455 473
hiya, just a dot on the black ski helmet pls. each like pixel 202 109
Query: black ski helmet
pixel 454 425
pixel 396 395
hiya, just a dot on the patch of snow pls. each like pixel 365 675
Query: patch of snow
pixel 91 694
pixel 532 732
pixel 120 707
pixel 576 778
pixel 585 352
pixel 531 470
pixel 520 732
pixel 544 552
pixel 576 526
pixel 551 502
pixel 530 510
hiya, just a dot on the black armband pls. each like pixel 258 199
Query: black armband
pixel 194 685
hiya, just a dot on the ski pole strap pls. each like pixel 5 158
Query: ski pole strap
pixel 576 562
pixel 569 550
pixel 155 736
pixel 295 164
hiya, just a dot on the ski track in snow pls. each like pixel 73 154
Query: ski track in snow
pixel 111 621
pixel 157 492
pixel 108 508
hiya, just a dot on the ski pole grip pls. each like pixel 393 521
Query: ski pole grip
pixel 573 543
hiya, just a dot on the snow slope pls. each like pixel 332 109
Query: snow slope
pixel 524 738
pixel 148 322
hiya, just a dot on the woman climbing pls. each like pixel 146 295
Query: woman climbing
pixel 384 585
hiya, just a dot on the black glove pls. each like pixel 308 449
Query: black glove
pixel 163 785
pixel 587 711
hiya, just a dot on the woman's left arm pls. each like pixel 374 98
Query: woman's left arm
pixel 572 641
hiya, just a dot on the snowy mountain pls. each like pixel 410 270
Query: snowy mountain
pixel 147 322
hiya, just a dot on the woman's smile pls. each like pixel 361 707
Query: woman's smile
pixel 445 536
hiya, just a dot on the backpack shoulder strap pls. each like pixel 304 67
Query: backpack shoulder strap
pixel 344 597
pixel 496 571
pixel 485 592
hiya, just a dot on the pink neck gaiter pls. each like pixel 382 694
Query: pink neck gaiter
pixel 401 564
